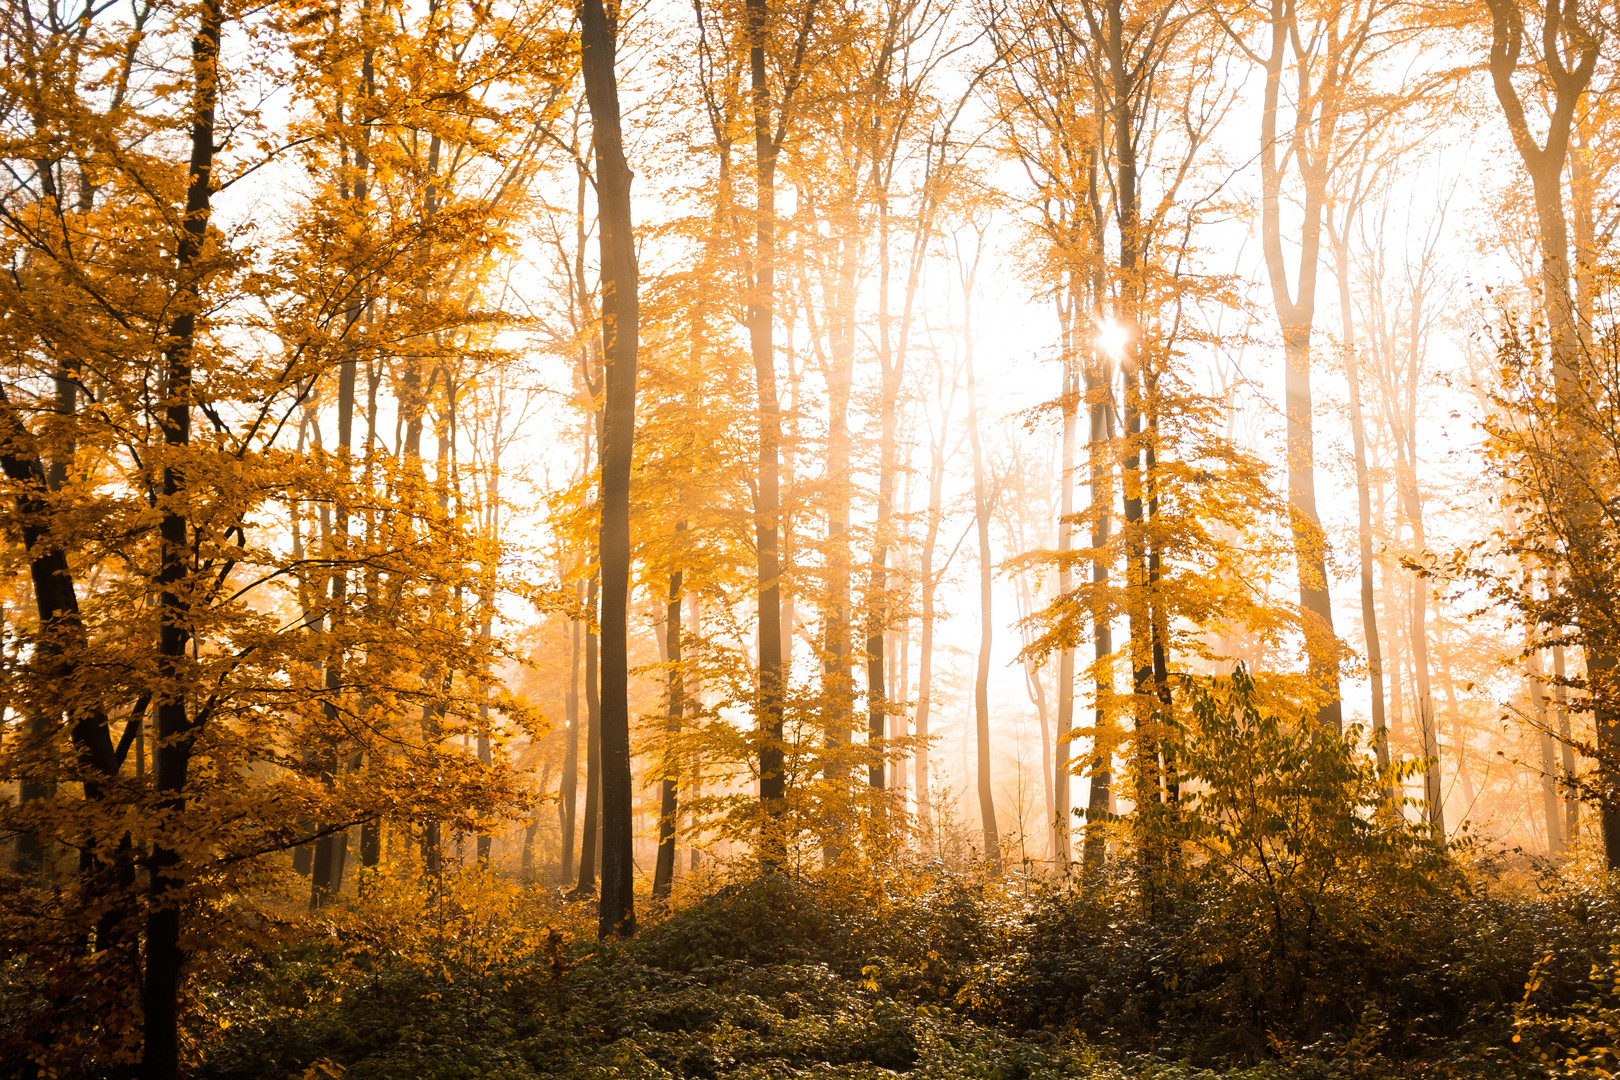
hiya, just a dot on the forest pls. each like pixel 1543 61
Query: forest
pixel 996 539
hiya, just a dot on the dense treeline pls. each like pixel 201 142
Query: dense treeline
pixel 859 491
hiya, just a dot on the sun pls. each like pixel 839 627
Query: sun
pixel 1111 337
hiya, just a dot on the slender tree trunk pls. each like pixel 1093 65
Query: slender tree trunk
pixel 371 830
pixel 326 879
pixel 1099 803
pixel 1032 675
pixel 981 683
pixel 32 855
pixel 768 507
pixel 1433 794
pixel 1551 809
pixel 568 789
pixel 620 331
pixel 486 604
pixel 1566 745
pixel 176 729
pixel 691 693
pixel 1065 585
pixel 1459 735
pixel 890 369
pixel 664 871
pixel 1358 438
pixel 1407 485
pixel 589 833
pixel 925 642
pixel 839 686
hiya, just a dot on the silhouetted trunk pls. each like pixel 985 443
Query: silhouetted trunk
pixel 526 859
pixel 1404 428
pixel 371 830
pixel 331 850
pixel 664 871
pixel 1433 794
pixel 176 727
pixel 620 329
pixel 891 369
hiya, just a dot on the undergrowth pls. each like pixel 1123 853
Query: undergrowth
pixel 929 975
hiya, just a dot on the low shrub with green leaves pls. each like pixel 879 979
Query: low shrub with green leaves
pixel 1288 902
pixel 1280 920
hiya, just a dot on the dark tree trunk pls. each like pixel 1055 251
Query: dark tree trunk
pixel 620 330
pixel 664 869
pixel 326 879
pixel 176 733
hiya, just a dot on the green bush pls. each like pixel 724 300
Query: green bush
pixel 1287 903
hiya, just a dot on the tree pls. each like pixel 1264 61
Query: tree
pixel 1327 53
pixel 165 591
pixel 1561 67
pixel 983 500
pixel 620 326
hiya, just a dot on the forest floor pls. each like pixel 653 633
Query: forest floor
pixel 774 981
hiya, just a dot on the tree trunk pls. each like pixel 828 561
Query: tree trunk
pixel 176 731
pixel 1065 585
pixel 925 642
pixel 1551 809
pixel 981 684
pixel 1545 163
pixel 1566 745
pixel 568 789
pixel 891 367
pixel 838 685
pixel 1433 794
pixel 589 833
pixel 1099 394
pixel 1459 736
pixel 620 331
pixel 1296 312
pixel 1358 438
pixel 664 870
pixel 371 830
pixel 326 877
pixel 768 505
